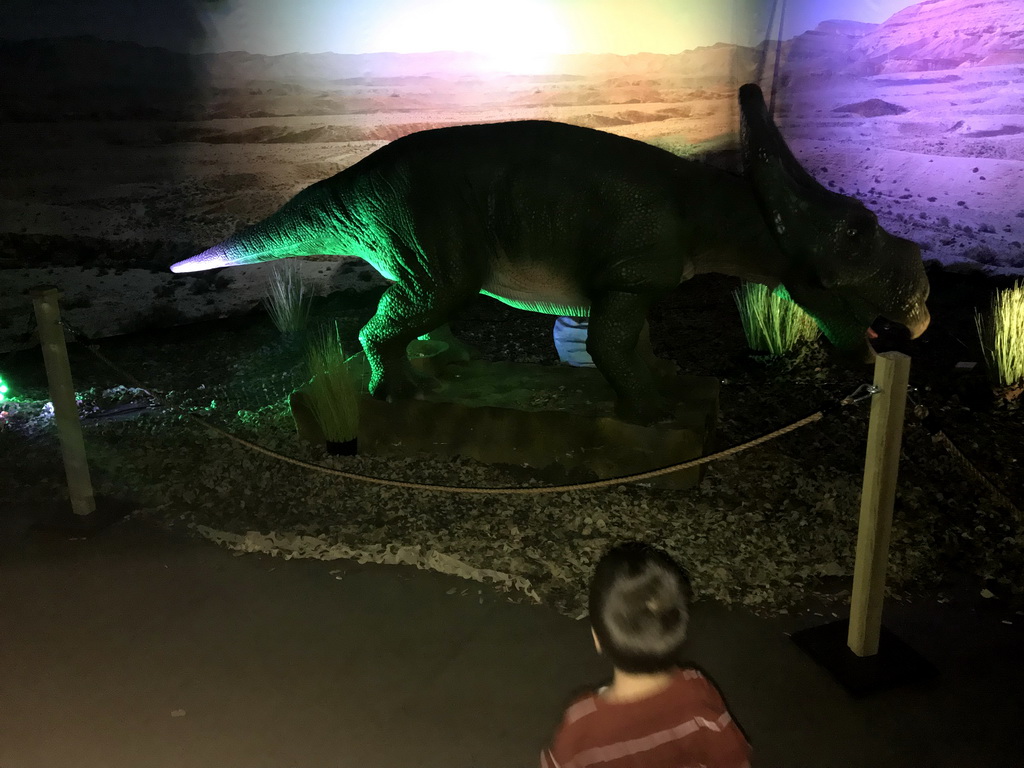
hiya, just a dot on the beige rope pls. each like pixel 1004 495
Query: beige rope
pixel 976 473
pixel 939 437
pixel 522 491
pixel 485 490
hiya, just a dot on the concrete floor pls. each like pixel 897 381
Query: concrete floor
pixel 138 649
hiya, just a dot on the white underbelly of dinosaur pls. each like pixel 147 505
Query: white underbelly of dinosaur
pixel 538 289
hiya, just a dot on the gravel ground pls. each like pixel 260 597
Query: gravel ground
pixel 770 528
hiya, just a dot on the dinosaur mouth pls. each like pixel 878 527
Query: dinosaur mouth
pixel 884 322
pixel 905 326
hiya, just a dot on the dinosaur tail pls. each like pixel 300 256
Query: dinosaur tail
pixel 295 230
pixel 225 254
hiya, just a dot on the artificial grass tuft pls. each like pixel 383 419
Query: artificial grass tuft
pixel 1002 335
pixel 333 389
pixel 287 302
pixel 772 322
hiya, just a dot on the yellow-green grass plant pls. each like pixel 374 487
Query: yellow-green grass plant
pixel 772 322
pixel 1002 335
pixel 287 301
pixel 333 390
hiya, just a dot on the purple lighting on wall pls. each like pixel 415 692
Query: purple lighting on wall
pixel 919 117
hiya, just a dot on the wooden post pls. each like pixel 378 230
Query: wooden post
pixel 885 432
pixel 62 394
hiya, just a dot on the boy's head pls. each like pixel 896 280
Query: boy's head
pixel 639 607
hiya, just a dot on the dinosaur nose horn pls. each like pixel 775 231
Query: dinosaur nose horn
pixel 918 322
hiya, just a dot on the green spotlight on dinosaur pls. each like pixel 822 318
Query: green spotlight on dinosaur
pixel 578 222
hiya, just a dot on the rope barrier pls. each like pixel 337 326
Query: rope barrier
pixel 592 485
pixel 930 424
pixel 974 472
pixel 862 392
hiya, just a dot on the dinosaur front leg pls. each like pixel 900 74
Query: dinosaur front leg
pixel 616 322
pixel 403 314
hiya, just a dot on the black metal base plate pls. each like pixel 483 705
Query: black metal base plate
pixel 895 664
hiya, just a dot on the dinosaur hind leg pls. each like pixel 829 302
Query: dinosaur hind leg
pixel 617 320
pixel 661 368
pixel 403 314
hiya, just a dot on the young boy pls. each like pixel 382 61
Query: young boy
pixel 654 714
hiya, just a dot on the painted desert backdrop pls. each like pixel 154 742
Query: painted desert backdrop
pixel 120 158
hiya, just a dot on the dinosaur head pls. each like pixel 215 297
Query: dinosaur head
pixel 842 267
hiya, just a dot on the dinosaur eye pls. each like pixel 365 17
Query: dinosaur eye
pixel 860 227
pixel 858 230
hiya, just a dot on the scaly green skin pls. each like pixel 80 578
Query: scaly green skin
pixel 566 220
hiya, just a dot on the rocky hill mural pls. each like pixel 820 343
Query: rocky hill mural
pixel 922 118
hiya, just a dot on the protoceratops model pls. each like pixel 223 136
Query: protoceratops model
pixel 572 221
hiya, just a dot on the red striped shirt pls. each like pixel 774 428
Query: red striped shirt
pixel 685 725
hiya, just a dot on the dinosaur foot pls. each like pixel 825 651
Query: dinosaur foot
pixel 663 370
pixel 408 386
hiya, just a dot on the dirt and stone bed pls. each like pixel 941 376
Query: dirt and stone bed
pixel 770 528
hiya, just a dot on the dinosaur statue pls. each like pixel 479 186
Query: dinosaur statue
pixel 572 221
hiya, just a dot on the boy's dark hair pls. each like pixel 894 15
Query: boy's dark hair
pixel 639 607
